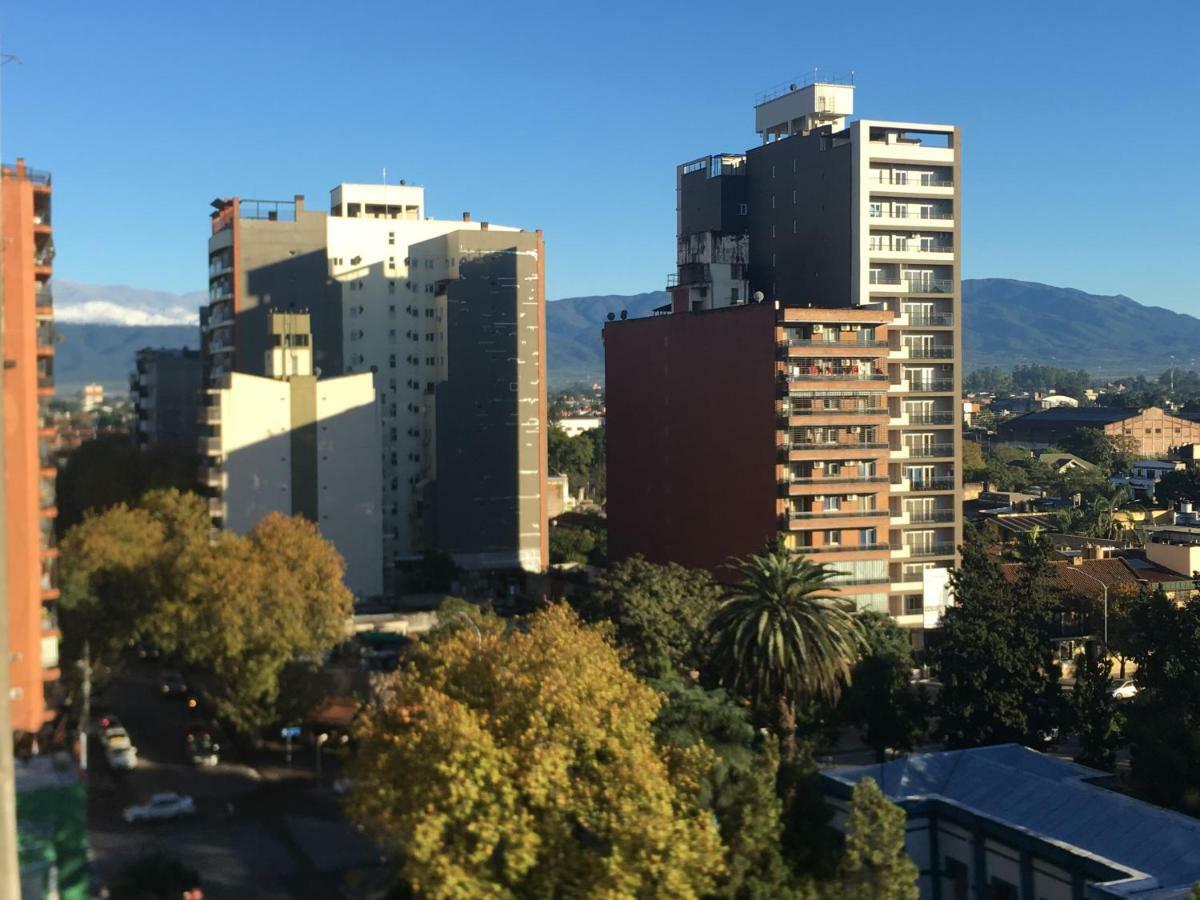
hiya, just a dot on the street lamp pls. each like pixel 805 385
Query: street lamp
pixel 1104 586
pixel 320 739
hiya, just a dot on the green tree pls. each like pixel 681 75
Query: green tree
pixel 659 612
pixel 109 470
pixel 251 606
pixel 875 865
pixel 882 699
pixel 1163 719
pixel 522 762
pixel 1181 485
pixel 1094 712
pixel 781 640
pixel 994 651
pixel 739 788
pixel 1113 455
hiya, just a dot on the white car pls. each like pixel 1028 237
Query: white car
pixel 160 807
pixel 1125 690
pixel 123 758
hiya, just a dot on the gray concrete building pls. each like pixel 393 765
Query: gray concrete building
pixel 166 398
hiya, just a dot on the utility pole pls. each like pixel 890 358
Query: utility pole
pixel 85 707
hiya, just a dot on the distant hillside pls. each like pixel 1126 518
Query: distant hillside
pixel 104 353
pixel 1005 323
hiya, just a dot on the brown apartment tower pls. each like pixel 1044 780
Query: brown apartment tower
pixel 29 469
pixel 805 376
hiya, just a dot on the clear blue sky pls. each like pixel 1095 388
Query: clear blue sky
pixel 1082 121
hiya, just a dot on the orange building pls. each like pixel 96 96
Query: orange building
pixel 28 345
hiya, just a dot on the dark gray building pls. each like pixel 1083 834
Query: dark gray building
pixel 486 490
pixel 166 398
pixel 266 256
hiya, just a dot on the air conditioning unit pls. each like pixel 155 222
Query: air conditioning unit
pixel 818 328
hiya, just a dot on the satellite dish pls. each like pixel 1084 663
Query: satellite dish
pixel 610 317
pixel 624 314
pixel 759 297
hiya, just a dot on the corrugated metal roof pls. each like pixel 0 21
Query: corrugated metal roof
pixel 1050 798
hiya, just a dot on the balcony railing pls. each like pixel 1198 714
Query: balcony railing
pixel 935 215
pixel 938 515
pixel 836 514
pixel 790 410
pixel 842 548
pixel 936 418
pixel 909 179
pixel 934 483
pixel 931 384
pixel 844 373
pixel 939 549
pixel 929 285
pixel 832 445
pixel 825 479
pixel 931 450
pixel 832 343
pixel 45 334
pixel 43 298
pixel 917 351
pixel 909 247
pixel 930 319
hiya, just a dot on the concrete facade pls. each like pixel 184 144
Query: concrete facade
pixel 292 443
pixel 489 430
pixel 166 387
pixel 849 233
pixel 29 472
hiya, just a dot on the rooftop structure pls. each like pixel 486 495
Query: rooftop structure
pixel 1006 821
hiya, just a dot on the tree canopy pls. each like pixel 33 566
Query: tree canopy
pixel 882 699
pixel 521 762
pixel 995 652
pixel 659 612
pixel 237 610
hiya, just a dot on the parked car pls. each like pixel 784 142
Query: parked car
pixel 202 750
pixel 160 808
pixel 1124 690
pixel 171 683
pixel 146 649
pixel 121 756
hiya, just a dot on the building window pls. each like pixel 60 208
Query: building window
pixel 391 237
pixel 959 878
pixel 392 361
pixel 1000 889
pixel 833 537
pixel 914 604
pixel 742 209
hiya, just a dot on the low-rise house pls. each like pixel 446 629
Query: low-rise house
pixel 1062 462
pixel 1008 822
pixel 1146 473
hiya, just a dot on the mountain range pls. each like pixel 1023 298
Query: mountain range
pixel 1005 323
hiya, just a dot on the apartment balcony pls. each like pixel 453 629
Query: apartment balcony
pixel 833 373
pixel 909 184
pixel 934 418
pixel 928 219
pixel 883 282
pixel 46 337
pixel 850 415
pixel 801 487
pixel 932 320
pixel 932 451
pixel 926 485
pixel 800 347
pixel 208 415
pixel 925 518
pixel 898 518
pixel 842 548
pixel 216 507
pixel 930 386
pixel 812 451
pixel 941 253
pixel 917 352
pixel 921 551
pixel 212 476
pixel 43 301
pixel 210 446
pixel 802 518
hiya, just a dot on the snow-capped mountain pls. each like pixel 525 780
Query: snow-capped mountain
pixel 96 304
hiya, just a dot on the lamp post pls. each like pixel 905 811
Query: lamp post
pixel 1104 587
pixel 320 740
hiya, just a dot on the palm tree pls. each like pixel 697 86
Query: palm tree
pixel 779 640
pixel 1106 522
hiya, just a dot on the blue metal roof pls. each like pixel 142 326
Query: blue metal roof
pixel 1051 799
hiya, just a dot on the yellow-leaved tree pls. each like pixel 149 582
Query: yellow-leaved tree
pixel 518 760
